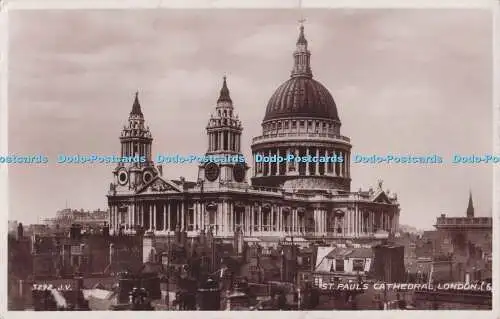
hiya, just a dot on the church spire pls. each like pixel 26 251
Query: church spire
pixel 136 107
pixel 302 38
pixel 470 207
pixel 224 93
pixel 302 56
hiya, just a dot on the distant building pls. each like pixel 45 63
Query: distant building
pixel 12 224
pixel 88 219
pixel 468 240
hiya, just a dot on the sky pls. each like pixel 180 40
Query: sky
pixel 405 81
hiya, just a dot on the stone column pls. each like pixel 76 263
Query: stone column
pixel 230 219
pixel 245 218
pixel 225 217
pixel 271 217
pixel 164 217
pixel 127 217
pixel 261 219
pixel 307 164
pixel 287 164
pixel 320 222
pixel 338 165
pixel 169 226
pixel 154 217
pixel 360 216
pixel 177 214
pixel 203 213
pixel 315 214
pixel 325 164
pixel 317 163
pixel 355 222
pixel 348 164
pixel 296 164
pixel 349 222
pixel 112 223
pixel 132 216
pixel 280 220
pixel 197 220
pixel 141 213
pixel 277 164
pixel 150 210
pixel 269 165
pixel 358 222
pixel 118 219
pixel 325 218
pixel 183 217
pixel 252 218
pixel 341 165
pixel 219 221
pixel 254 167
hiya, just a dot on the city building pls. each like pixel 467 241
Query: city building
pixel 468 241
pixel 309 201
pixel 88 219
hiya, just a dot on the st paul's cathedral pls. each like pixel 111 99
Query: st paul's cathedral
pixel 299 200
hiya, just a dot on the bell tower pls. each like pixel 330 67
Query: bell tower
pixel 136 141
pixel 225 165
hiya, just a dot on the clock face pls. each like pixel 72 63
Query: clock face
pixel 239 173
pixel 212 171
pixel 147 176
pixel 122 177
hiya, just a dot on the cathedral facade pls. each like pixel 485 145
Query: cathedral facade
pixel 307 200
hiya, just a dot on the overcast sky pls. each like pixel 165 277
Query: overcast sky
pixel 405 81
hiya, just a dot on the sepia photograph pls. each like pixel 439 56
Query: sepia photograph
pixel 260 159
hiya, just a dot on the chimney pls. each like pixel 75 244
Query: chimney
pixel 78 292
pixel 20 231
pixel 183 183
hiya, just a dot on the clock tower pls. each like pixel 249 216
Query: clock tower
pixel 224 129
pixel 136 143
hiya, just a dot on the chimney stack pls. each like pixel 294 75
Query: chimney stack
pixel 20 231
pixel 78 292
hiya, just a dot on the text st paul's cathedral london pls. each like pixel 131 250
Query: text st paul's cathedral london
pixel 306 201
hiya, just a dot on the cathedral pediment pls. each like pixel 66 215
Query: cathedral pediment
pixel 159 185
pixel 381 197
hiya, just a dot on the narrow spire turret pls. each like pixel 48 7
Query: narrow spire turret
pixel 302 38
pixel 224 93
pixel 470 207
pixel 136 107
pixel 302 56
pixel 224 128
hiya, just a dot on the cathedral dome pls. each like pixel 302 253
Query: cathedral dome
pixel 301 96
